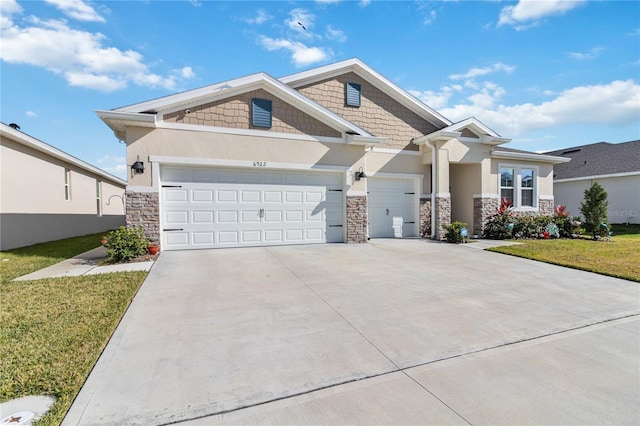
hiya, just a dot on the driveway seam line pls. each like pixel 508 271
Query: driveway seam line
pixel 400 370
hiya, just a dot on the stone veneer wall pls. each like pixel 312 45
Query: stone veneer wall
pixel 483 209
pixel 546 207
pixel 143 209
pixel 443 211
pixel 425 217
pixel 356 219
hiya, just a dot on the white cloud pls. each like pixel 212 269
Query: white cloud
pixel 590 54
pixel 299 18
pixel 364 3
pixel 9 7
pixel 79 56
pixel 477 72
pixel 615 103
pixel 301 55
pixel 77 9
pixel 31 114
pixel 260 18
pixel 528 13
pixel 429 19
pixel 437 100
pixel 328 1
pixel 334 34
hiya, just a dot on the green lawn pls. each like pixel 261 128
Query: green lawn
pixel 618 258
pixel 52 331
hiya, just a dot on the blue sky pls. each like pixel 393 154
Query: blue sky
pixel 548 74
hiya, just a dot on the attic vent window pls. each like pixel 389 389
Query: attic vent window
pixel 352 94
pixel 261 113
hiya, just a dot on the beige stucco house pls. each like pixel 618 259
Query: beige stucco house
pixel 47 194
pixel 334 154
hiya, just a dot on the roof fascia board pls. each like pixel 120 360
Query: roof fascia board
pixel 381 82
pixel 440 135
pixel 33 143
pixel 530 157
pixel 368 141
pixel 596 177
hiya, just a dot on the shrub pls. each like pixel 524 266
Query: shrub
pixel 454 232
pixel 125 244
pixel 594 210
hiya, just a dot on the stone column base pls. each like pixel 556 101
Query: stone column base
pixel 483 209
pixel 425 217
pixel 356 219
pixel 143 209
pixel 443 212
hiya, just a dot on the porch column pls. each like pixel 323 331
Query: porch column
pixel 442 190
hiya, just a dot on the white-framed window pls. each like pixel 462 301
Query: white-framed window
pixel 67 184
pixel 98 197
pixel 519 185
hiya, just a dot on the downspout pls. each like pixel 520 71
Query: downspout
pixel 434 174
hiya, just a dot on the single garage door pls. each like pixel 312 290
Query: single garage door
pixel 389 198
pixel 217 207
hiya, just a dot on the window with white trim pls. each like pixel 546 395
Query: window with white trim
pixel 67 184
pixel 98 197
pixel 519 185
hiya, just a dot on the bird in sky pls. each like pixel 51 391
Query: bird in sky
pixel 303 27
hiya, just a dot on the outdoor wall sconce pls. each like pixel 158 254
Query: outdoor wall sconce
pixel 360 174
pixel 137 167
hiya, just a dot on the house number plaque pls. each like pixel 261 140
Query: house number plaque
pixel 259 164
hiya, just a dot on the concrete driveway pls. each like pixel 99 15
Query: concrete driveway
pixel 391 332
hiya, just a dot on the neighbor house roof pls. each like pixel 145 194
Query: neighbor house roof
pixel 33 143
pixel 598 159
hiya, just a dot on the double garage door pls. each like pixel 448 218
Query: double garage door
pixel 217 207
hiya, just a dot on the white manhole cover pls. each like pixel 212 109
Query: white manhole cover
pixel 19 418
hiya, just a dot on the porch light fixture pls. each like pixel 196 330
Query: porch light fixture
pixel 360 174
pixel 137 167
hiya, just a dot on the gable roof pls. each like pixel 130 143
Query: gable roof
pixel 485 134
pixel 146 113
pixel 598 159
pixel 379 81
pixel 29 141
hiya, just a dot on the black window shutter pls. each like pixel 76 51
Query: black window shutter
pixel 261 112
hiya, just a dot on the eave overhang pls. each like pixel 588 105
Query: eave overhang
pixel 507 155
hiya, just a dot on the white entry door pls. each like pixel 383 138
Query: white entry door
pixel 389 198
pixel 216 207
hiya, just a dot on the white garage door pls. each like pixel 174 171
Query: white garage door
pixel 389 198
pixel 210 208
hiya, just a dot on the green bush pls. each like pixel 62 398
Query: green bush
pixel 499 226
pixel 454 232
pixel 125 244
pixel 594 209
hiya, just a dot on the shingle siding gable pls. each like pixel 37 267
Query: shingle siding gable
pixel 379 113
pixel 235 112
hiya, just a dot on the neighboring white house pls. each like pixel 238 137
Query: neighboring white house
pixel 47 194
pixel 614 166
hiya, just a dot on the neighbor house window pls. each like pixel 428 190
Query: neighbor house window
pixel 98 197
pixel 67 184
pixel 518 185
pixel 506 183
pixel 352 94
pixel 261 113
pixel 526 187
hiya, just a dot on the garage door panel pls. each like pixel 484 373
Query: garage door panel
pixel 227 196
pixel 250 196
pixel 226 207
pixel 272 196
pixel 201 196
pixel 202 217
